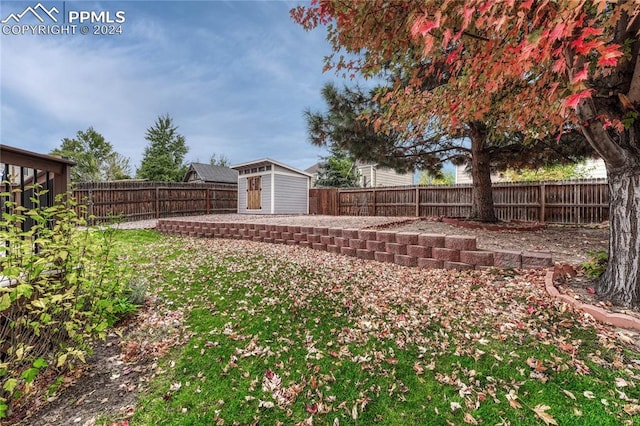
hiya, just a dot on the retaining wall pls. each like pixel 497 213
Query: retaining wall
pixel 457 252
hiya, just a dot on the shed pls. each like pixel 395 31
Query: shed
pixel 200 172
pixel 269 187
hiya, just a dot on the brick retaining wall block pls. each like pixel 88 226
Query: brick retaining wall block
pixel 276 235
pixel 396 248
pixel 430 263
pixel 365 254
pixel 333 249
pixel 367 234
pixel 350 233
pixel 267 240
pixel 305 243
pixel 386 236
pixel 335 232
pixel 348 251
pixel 319 246
pixel 458 266
pixel 306 229
pixel 293 229
pixel 312 238
pixel 460 242
pixel 477 258
pixel 408 238
pixel 507 259
pixel 383 256
pixel 341 242
pixel 404 260
pixel 376 245
pixel 299 236
pixel 431 240
pixel 533 260
pixel 448 255
pixel 357 244
pixel 321 231
pixel 418 251
pixel 326 239
pixel 292 242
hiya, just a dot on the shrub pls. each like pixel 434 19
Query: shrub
pixel 62 288
pixel 597 263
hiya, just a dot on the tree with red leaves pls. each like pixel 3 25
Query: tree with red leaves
pixel 536 66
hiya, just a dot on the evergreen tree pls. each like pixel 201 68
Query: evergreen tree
pixel 338 170
pixel 163 158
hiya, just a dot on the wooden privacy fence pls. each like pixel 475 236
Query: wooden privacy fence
pixel 572 202
pixel 131 201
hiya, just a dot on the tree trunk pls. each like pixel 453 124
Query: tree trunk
pixel 621 281
pixel 482 195
pixel 620 150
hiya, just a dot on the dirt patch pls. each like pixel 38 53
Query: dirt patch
pixel 107 386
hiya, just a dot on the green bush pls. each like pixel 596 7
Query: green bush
pixel 63 287
pixel 597 263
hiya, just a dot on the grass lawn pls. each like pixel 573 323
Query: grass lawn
pixel 285 335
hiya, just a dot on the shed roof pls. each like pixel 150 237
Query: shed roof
pixel 209 173
pixel 266 161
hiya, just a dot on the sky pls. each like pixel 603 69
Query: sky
pixel 235 76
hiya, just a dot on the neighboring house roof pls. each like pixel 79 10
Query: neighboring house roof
pixel 209 173
pixel 266 161
pixel 313 170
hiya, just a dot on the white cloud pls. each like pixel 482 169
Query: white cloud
pixel 236 86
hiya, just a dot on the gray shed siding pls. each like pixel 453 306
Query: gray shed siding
pixel 265 195
pixel 292 193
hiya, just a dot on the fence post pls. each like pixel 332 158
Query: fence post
pixel 91 212
pixel 208 201
pixel 543 202
pixel 417 201
pixel 157 193
pixel 373 204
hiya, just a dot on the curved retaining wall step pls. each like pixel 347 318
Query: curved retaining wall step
pixel 458 252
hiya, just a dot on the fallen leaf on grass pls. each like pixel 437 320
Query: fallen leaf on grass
pixel 541 411
pixel 468 418
pixel 620 382
pixel 511 397
pixel 588 395
pixel 569 394
pixel 631 409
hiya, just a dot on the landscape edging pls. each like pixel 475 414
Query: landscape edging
pixel 599 314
